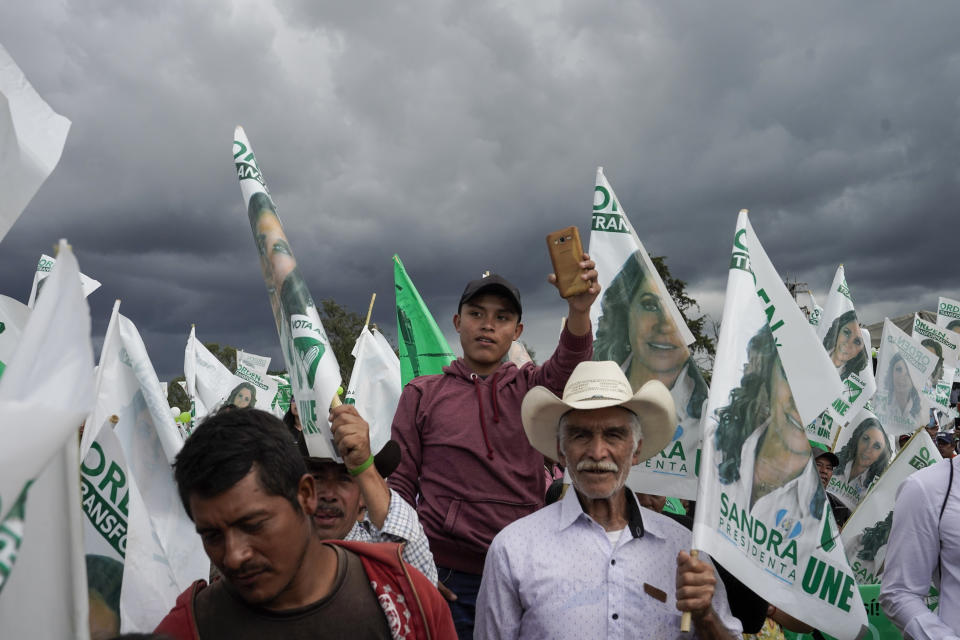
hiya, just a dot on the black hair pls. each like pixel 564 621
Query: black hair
pixel 953 324
pixel 226 446
pixel 873 538
pixel 938 350
pixel 849 451
pixel 749 404
pixel 856 363
pixel 613 343
pixel 243 385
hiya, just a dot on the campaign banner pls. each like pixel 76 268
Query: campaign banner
pixel 948 340
pixel 864 450
pixel 260 390
pixel 375 384
pixel 761 510
pixel 422 346
pixel 848 345
pixel 31 141
pixel 253 362
pixel 13 317
pixel 640 328
pixel 129 579
pixel 865 535
pixel 311 363
pixel 281 401
pixel 904 368
pixel 43 270
pixel 48 381
pixel 948 314
pixel 816 311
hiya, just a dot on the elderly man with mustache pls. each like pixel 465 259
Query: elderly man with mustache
pixel 596 563
pixel 353 499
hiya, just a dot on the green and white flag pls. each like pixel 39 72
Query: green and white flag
pixel 423 349
pixel 31 141
pixel 761 511
pixel 948 314
pixel 43 270
pixel 904 367
pixel 865 450
pixel 815 310
pixel 313 368
pixel 848 345
pixel 252 369
pixel 211 385
pixel 865 535
pixel 639 327
pixel 45 392
pixel 375 384
pixel 130 578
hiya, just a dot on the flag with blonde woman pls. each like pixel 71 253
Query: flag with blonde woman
pixel 639 327
pixel 761 510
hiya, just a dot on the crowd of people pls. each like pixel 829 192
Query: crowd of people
pixel 458 526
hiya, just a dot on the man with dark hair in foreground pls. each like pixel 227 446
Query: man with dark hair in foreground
pixel 246 487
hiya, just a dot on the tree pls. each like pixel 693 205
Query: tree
pixel 343 328
pixel 704 348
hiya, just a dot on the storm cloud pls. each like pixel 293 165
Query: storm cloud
pixel 459 134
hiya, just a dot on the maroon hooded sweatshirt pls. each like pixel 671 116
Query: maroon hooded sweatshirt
pixel 467 465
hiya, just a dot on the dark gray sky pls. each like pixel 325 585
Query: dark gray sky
pixel 459 134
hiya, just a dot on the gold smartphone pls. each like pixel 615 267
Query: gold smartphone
pixel 566 252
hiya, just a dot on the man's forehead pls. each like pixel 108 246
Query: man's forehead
pixel 491 300
pixel 595 419
pixel 246 497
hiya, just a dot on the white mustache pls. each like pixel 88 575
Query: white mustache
pixel 589 465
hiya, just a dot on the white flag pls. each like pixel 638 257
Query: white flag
pixel 47 388
pixel 640 328
pixel 314 372
pixel 904 367
pixel 848 345
pixel 45 391
pixel 151 441
pixel 375 384
pixel 40 276
pixel 866 532
pixel 46 595
pixel 13 318
pixel 31 141
pixel 761 510
pixel 253 362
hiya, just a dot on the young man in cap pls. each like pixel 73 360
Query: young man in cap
pixel 466 463
pixel 596 564
pixel 945 444
pixel 244 484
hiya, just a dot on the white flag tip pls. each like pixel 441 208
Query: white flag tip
pixel 744 210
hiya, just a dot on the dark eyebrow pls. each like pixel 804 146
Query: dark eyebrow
pixel 239 521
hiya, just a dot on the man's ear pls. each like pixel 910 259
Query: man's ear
pixel 562 459
pixel 307 494
pixel 636 454
pixel 519 330
pixel 456 322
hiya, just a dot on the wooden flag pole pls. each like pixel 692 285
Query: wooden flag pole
pixel 370 310
pixel 686 618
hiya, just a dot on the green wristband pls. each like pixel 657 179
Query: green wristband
pixel 358 470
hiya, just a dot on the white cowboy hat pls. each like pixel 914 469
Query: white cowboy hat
pixel 596 385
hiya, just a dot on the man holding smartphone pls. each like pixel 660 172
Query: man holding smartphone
pixel 467 465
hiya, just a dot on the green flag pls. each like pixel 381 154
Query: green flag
pixel 423 349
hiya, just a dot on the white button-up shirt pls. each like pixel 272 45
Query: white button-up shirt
pixel 914 549
pixel 555 574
